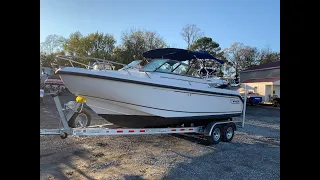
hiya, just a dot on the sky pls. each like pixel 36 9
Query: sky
pixel 253 22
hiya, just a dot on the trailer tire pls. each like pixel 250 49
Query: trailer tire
pixel 63 135
pixel 228 132
pixel 83 115
pixel 216 135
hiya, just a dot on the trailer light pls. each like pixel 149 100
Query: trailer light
pixel 81 99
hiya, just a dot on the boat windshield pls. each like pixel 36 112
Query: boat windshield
pixel 171 66
pixel 135 63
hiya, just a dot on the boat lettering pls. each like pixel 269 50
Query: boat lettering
pixel 94 132
pixel 234 101
pixel 155 130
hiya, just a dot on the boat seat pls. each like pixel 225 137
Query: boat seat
pixel 203 72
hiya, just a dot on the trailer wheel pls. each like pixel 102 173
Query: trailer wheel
pixel 216 135
pixel 63 135
pixel 82 119
pixel 228 133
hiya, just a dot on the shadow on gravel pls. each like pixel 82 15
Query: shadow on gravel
pixel 192 138
pixel 66 169
pixel 133 177
pixel 72 166
pixel 257 160
pixel 223 164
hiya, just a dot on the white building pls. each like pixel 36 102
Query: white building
pixel 263 79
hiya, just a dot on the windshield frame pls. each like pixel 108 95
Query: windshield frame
pixel 164 61
pixel 132 65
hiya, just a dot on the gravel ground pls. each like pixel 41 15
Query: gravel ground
pixel 254 152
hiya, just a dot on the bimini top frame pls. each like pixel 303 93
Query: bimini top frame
pixel 179 54
pixel 72 61
pixel 97 60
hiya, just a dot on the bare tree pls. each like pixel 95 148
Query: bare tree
pixel 240 57
pixel 174 45
pixel 267 55
pixel 191 33
pixel 153 40
pixel 52 44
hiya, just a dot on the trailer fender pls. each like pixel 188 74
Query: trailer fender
pixel 208 129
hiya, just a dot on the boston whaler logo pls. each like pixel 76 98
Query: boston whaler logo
pixel 234 101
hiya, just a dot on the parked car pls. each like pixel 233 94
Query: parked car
pixel 254 98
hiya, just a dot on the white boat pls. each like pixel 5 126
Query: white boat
pixel 45 72
pixel 167 91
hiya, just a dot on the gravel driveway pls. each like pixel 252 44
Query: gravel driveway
pixel 254 152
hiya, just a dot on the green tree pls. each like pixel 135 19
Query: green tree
pixel 74 45
pixel 98 45
pixel 121 54
pixel 206 44
pixel 135 43
pixel 47 60
pixel 44 60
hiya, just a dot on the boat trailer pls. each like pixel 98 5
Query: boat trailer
pixel 70 115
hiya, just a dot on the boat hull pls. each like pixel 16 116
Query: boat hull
pixel 136 104
pixel 128 115
pixel 136 121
